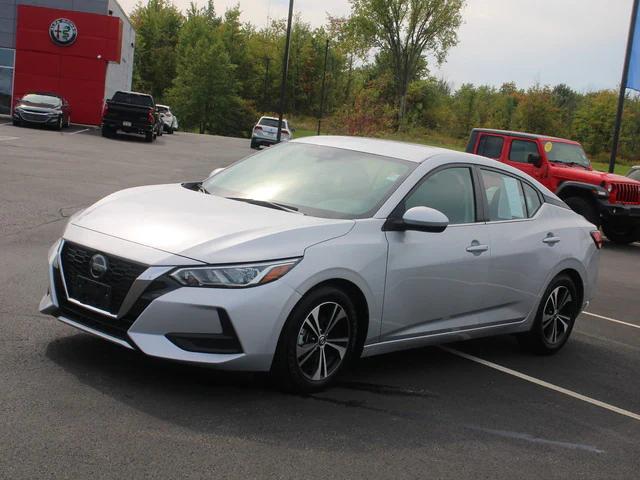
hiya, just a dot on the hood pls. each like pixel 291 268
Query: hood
pixel 594 177
pixel 38 107
pixel 205 227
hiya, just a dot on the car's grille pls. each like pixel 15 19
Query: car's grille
pixel 115 327
pixel 627 193
pixel 119 276
pixel 33 116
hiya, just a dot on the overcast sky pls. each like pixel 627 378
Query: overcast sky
pixel 578 42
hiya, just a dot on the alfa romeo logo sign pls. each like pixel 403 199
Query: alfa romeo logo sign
pixel 63 31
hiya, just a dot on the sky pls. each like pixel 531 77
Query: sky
pixel 577 42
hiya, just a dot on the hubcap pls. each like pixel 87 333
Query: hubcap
pixel 322 341
pixel 556 316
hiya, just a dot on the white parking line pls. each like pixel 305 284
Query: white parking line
pixel 8 123
pixel 2 139
pixel 542 383
pixel 79 131
pixel 612 320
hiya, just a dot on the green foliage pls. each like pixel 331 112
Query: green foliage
pixel 157 25
pixel 405 31
pixel 220 74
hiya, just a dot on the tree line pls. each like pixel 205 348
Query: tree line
pixel 219 74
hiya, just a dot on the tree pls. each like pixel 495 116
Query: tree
pixel 408 30
pixel 203 93
pixel 537 113
pixel 157 26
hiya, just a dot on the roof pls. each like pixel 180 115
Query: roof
pixel 412 152
pixel 272 118
pixel 511 133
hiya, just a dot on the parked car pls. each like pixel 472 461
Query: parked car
pixel 131 112
pixel 606 200
pixel 634 173
pixel 169 120
pixel 282 262
pixel 47 109
pixel 266 130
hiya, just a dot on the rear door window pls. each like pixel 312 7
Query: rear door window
pixel 532 198
pixel 504 196
pixel 520 150
pixel 490 146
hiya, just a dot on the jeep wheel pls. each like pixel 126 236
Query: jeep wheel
pixel 620 234
pixel 584 207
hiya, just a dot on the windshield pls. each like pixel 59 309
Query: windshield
pixel 271 122
pixel 321 181
pixel 36 99
pixel 635 174
pixel 566 153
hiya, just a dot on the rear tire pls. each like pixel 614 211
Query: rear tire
pixel 620 234
pixel 584 207
pixel 16 123
pixel 254 145
pixel 148 137
pixel 317 341
pixel 555 318
pixel 107 132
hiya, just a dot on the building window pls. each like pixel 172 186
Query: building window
pixel 7 59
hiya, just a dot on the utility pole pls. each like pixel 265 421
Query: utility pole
pixel 266 82
pixel 285 71
pixel 623 87
pixel 324 76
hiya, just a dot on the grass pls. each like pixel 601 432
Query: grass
pixel 621 169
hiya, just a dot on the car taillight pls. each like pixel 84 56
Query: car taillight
pixel 257 128
pixel 150 116
pixel 105 109
pixel 597 238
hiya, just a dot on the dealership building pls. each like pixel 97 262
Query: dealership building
pixel 79 49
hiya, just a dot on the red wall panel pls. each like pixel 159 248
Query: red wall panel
pixel 77 71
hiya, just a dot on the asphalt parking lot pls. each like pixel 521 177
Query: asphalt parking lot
pixel 73 406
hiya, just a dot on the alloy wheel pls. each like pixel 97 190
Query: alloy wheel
pixel 557 315
pixel 322 341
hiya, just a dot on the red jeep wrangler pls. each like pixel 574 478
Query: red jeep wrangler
pixel 606 200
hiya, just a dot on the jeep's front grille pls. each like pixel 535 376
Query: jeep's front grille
pixel 627 193
pixel 119 276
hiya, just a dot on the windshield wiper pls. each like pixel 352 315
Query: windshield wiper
pixel 202 189
pixel 266 203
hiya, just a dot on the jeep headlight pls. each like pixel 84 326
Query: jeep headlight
pixel 234 276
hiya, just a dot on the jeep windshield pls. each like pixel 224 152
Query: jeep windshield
pixel 568 153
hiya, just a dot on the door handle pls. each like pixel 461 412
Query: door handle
pixel 551 239
pixel 476 247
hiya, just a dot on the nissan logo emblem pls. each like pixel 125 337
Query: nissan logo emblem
pixel 98 265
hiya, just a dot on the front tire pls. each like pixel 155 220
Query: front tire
pixel 584 207
pixel 317 341
pixel 620 234
pixel 59 123
pixel 555 318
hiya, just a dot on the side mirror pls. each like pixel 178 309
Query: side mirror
pixel 421 219
pixel 216 171
pixel 535 159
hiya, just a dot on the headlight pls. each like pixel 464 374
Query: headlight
pixel 234 276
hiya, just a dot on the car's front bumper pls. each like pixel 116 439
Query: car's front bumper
pixel 236 329
pixel 620 214
pixel 35 117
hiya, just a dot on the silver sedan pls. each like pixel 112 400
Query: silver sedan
pixel 308 255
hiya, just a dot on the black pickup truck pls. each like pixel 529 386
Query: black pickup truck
pixel 130 112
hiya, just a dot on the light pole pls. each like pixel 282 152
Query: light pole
pixel 324 76
pixel 285 71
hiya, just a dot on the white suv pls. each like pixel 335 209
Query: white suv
pixel 168 119
pixel 266 131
